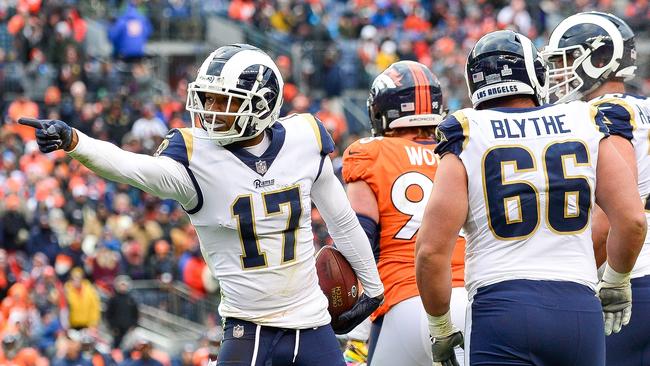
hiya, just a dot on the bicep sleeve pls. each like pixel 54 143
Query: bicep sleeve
pixel 618 117
pixel 343 226
pixel 452 134
pixel 157 175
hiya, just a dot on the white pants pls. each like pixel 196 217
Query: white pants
pixel 404 336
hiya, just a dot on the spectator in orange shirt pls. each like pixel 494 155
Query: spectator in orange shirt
pixel 22 106
pixel 416 22
pixel 241 10
pixel 33 161
pixel 333 121
pixel 192 272
pixel 13 353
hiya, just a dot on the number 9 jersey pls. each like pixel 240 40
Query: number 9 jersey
pixel 400 173
pixel 530 213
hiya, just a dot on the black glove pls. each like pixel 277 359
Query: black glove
pixel 51 134
pixel 359 312
pixel 442 348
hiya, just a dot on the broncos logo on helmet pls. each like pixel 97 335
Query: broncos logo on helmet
pixel 406 94
pixel 587 49
pixel 239 72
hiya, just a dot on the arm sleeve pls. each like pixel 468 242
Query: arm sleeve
pixel 160 176
pixel 343 226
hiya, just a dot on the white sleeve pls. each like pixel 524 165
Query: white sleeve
pixel 343 225
pixel 160 176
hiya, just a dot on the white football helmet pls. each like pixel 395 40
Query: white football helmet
pixel 585 50
pixel 236 71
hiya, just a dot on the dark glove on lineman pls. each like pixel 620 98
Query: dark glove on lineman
pixel 359 312
pixel 51 134
pixel 442 348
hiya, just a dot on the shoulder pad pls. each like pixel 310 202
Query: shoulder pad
pixel 325 142
pixel 177 145
pixel 619 116
pixel 359 157
pixel 452 134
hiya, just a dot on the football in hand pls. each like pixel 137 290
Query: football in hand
pixel 337 280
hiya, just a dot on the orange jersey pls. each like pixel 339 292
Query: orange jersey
pixel 400 172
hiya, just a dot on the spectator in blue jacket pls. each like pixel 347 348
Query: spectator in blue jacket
pixel 129 34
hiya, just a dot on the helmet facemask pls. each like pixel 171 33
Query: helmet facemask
pixel 246 116
pixel 567 65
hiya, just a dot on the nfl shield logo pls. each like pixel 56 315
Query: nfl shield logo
pixel 238 331
pixel 260 166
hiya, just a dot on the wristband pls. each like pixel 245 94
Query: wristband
pixel 440 326
pixel 613 277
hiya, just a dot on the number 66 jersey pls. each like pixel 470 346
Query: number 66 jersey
pixel 530 212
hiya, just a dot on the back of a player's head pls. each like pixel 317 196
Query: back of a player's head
pixel 406 95
pixel 505 65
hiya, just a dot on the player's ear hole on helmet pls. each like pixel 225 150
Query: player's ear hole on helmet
pixel 262 103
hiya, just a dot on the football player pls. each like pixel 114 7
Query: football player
pixel 592 56
pixel 246 180
pixel 389 177
pixel 522 177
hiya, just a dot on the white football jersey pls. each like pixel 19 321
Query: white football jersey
pixel 629 117
pixel 253 220
pixel 531 183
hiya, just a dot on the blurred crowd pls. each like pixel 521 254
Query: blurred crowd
pixel 346 43
pixel 70 241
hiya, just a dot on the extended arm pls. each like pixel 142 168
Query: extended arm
pixel 160 176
